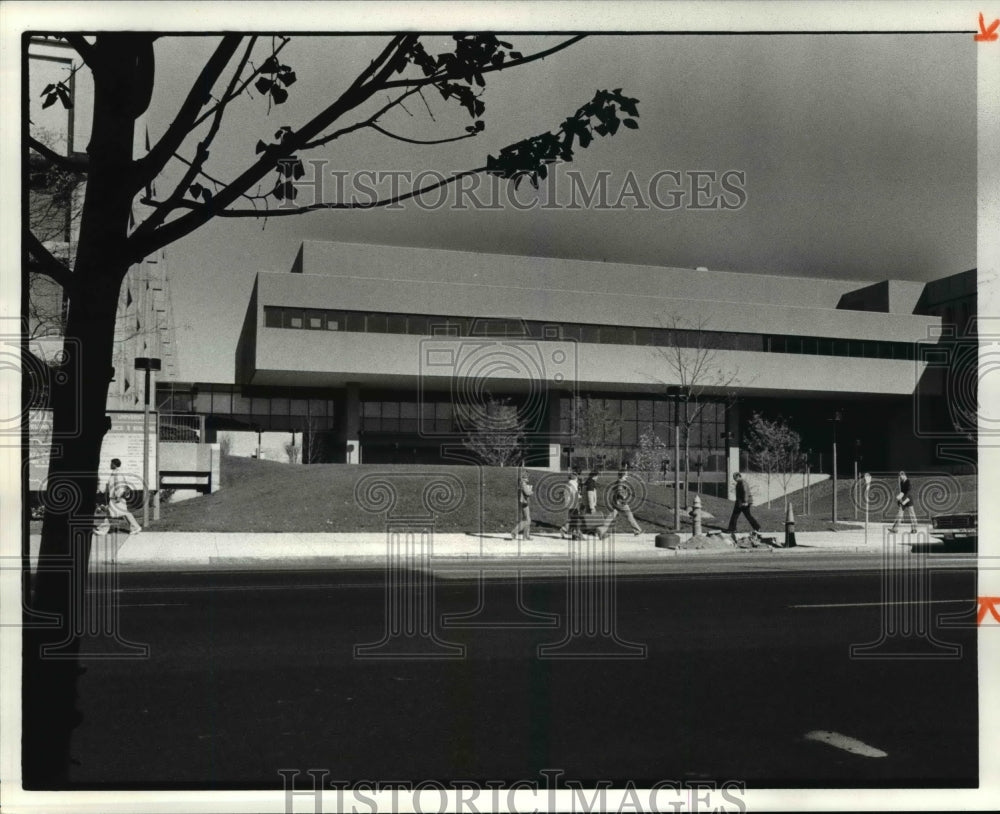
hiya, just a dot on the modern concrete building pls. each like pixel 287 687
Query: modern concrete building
pixel 379 354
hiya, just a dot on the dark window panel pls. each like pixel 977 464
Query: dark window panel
pixel 279 406
pixel 354 321
pixel 293 318
pixel 841 347
pixel 272 317
pixel 630 433
pixel 572 332
pixel 444 410
pixel 371 409
pixel 314 320
pixel 260 406
pixel 628 409
pixel 661 410
pixel 317 408
pixel 298 407
pixel 390 425
pixel 408 425
pixel 793 344
pixel 335 321
pixel 375 324
pixel 241 405
pixel 390 409
pixel 826 347
pixel 417 325
pixel 643 336
pixel 396 323
pixel 203 403
pixel 408 409
pixel 590 333
pixel 810 345
pixel 644 410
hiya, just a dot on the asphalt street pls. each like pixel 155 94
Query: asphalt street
pixel 737 672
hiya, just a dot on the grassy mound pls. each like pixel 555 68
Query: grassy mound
pixel 268 496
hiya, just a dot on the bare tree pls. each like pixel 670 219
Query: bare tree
pixel 775 448
pixel 497 433
pixel 594 422
pixel 691 353
pixel 192 193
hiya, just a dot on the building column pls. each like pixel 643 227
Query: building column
pixel 732 447
pixel 352 423
pixel 552 430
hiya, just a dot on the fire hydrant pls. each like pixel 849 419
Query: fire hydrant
pixel 695 515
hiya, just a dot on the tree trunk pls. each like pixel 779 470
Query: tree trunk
pixel 79 401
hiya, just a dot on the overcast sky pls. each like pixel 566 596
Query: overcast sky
pixel 858 154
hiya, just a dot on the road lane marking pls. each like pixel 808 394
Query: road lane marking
pixel 883 603
pixel 155 605
pixel 845 742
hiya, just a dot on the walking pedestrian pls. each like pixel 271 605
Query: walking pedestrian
pixel 621 495
pixel 744 500
pixel 590 492
pixel 115 489
pixel 905 504
pixel 572 505
pixel 524 490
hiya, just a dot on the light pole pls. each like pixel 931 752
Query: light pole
pixel 868 483
pixel 679 394
pixel 836 418
pixel 148 364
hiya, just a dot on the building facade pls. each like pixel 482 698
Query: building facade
pixel 383 354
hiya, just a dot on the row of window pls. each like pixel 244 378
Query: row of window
pixel 424 325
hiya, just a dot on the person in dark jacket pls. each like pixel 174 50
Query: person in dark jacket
pixel 905 505
pixel 744 500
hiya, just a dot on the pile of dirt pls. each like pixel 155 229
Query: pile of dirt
pixel 712 541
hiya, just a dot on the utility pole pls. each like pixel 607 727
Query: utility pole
pixel 836 418
pixel 147 364
pixel 679 394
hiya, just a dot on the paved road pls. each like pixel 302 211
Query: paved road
pixel 252 672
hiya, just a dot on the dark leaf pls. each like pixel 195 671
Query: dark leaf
pixel 270 65
pixel 206 193
pixel 49 101
pixel 263 84
pixel 290 191
pixel 279 191
pixel 279 94
pixel 298 170
pixel 196 190
pixel 288 78
pixel 516 55
pixel 631 124
pixel 48 89
pixel 503 44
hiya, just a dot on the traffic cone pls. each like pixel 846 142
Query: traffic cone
pixel 789 526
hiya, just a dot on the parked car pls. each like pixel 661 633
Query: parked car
pixel 959 530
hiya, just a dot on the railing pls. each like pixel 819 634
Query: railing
pixel 184 428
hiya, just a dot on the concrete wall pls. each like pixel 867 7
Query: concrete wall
pixel 184 464
pixel 243 444
pixel 761 492
pixel 539 299
pixel 331 358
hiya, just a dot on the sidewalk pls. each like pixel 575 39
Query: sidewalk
pixel 166 550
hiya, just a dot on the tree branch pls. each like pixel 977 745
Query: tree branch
pixel 293 141
pixel 299 210
pixel 160 214
pixel 73 163
pixel 150 165
pixel 385 132
pixel 82 47
pixel 46 263
pixel 430 80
